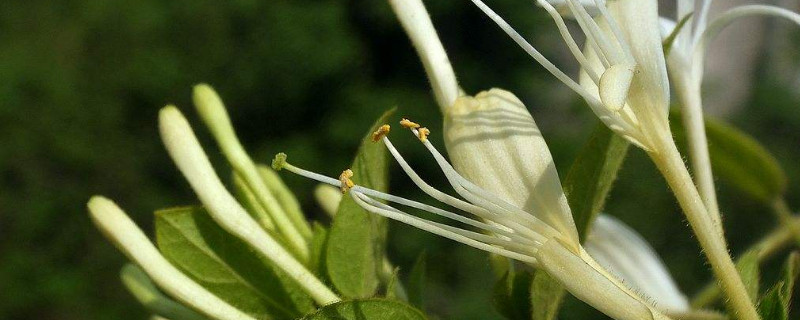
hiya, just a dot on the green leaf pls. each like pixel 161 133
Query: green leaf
pixel 590 178
pixel 738 159
pixel 670 40
pixel 512 294
pixel 748 269
pixel 791 269
pixel 140 285
pixel 392 286
pixel 368 309
pixel 772 305
pixel 416 282
pixel 319 241
pixel 226 266
pixel 546 296
pixel 356 239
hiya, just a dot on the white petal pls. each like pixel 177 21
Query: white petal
pixel 639 22
pixel 493 141
pixel 626 254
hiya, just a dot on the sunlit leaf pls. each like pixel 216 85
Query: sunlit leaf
pixel 772 305
pixel 369 309
pixel 226 266
pixel 356 238
pixel 748 269
pixel 791 270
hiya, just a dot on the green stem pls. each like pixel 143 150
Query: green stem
pixel 767 247
pixel 669 162
pixel 692 114
pixel 784 214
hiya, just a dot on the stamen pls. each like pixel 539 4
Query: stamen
pixel 593 32
pixel 527 243
pixel 477 211
pixel 571 43
pixel 422 134
pixel 345 183
pixel 535 54
pixel 483 198
pixel 408 124
pixel 279 161
pixel 428 226
pixel 380 133
pixel 526 235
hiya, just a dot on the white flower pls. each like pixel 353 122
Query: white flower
pixel 623 77
pixel 687 51
pixel 688 39
pixel 626 254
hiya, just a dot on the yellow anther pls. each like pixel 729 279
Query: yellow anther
pixel 408 124
pixel 382 131
pixel 423 133
pixel 344 178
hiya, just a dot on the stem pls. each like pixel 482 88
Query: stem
pixel 669 161
pixel 784 214
pixel 692 114
pixel 767 247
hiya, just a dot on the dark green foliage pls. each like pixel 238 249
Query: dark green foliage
pixel 226 266
pixel 355 245
pixel 372 309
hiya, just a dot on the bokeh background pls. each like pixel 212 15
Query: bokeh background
pixel 81 83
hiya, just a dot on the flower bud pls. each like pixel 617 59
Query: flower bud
pixel 494 142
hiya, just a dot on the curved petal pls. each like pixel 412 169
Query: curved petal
pixel 626 254
pixel 724 20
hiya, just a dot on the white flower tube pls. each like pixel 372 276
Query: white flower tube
pixel 626 254
pixel 185 150
pixel 129 239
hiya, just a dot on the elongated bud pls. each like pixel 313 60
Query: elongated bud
pixel 494 142
pixel 128 238
pixel 328 198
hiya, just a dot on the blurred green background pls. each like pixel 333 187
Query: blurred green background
pixel 81 83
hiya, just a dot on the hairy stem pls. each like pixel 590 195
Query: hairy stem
pixel 669 161
pixel 692 114
pixel 767 247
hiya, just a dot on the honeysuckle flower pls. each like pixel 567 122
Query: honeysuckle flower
pixel 624 80
pixel 545 238
pixel 688 36
pixel 623 71
pixel 627 255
